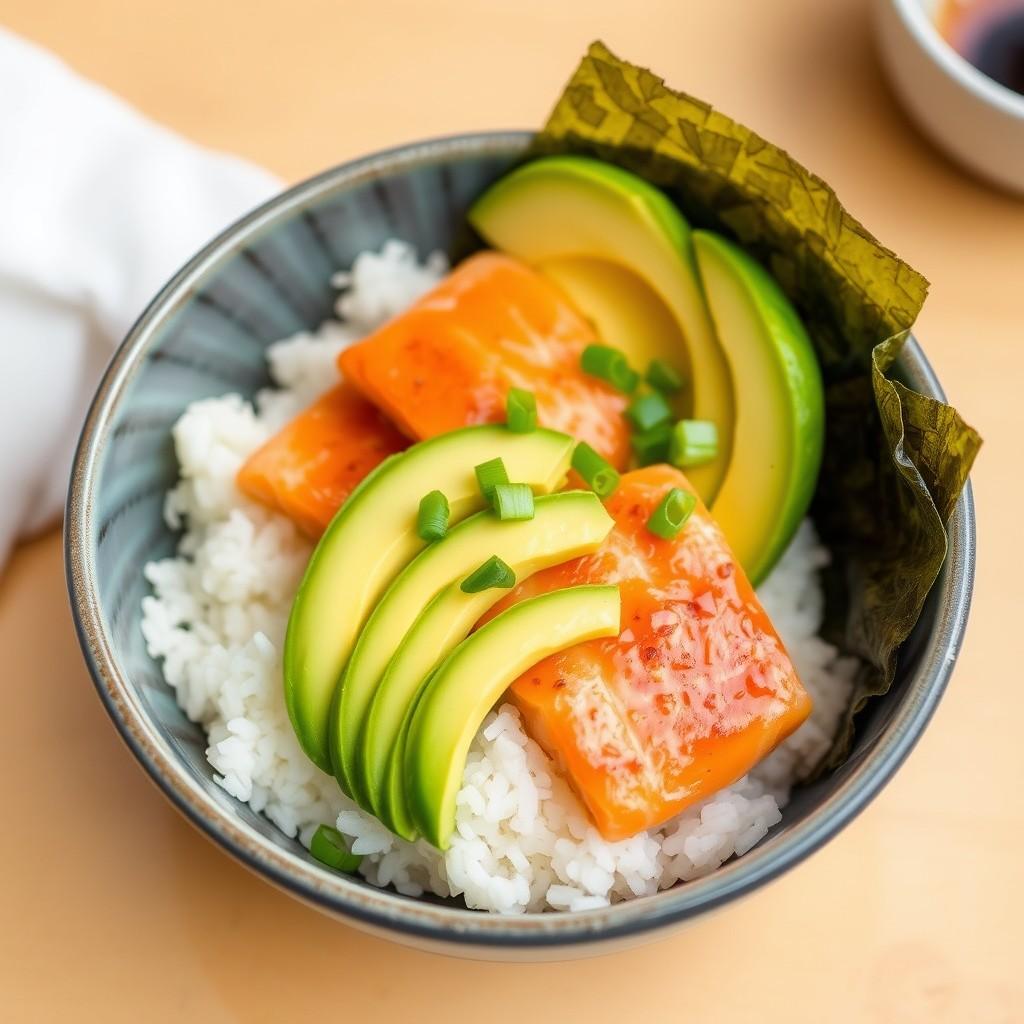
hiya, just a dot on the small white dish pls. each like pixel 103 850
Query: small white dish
pixel 979 122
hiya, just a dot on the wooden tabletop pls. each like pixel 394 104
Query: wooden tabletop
pixel 113 909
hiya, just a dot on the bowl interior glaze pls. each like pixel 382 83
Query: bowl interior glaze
pixel 205 334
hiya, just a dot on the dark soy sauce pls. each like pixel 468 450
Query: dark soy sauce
pixel 989 34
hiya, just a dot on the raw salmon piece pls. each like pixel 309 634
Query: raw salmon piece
pixel 694 692
pixel 311 466
pixel 492 324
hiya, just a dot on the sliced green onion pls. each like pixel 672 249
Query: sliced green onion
pixel 671 514
pixel 652 445
pixel 694 442
pixel 647 411
pixel 521 411
pixel 664 376
pixel 611 366
pixel 494 573
pixel 488 474
pixel 329 847
pixel 432 520
pixel 513 501
pixel 599 475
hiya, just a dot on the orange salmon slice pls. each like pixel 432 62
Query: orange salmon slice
pixel 696 689
pixel 314 463
pixel 492 324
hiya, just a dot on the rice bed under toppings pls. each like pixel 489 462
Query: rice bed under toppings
pixel 523 842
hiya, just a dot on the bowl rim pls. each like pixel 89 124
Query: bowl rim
pixel 987 90
pixel 381 910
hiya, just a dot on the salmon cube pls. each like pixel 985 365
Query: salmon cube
pixel 311 466
pixel 492 324
pixel 695 690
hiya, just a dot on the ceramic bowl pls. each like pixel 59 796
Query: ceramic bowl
pixel 205 334
pixel 977 121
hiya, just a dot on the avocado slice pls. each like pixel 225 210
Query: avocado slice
pixel 626 311
pixel 780 405
pixel 564 526
pixel 473 677
pixel 372 537
pixel 568 521
pixel 586 212
pixel 445 623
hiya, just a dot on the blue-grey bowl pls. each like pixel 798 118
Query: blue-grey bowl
pixel 205 334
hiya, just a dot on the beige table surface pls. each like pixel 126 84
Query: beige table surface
pixel 113 909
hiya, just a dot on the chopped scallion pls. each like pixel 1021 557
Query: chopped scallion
pixel 513 501
pixel 664 376
pixel 652 445
pixel 329 847
pixel 694 442
pixel 671 514
pixel 488 474
pixel 494 573
pixel 611 366
pixel 432 520
pixel 599 475
pixel 647 411
pixel 521 411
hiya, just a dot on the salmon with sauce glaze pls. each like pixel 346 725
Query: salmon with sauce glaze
pixel 491 324
pixel 696 689
pixel 315 461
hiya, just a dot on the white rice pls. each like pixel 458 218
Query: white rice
pixel 523 842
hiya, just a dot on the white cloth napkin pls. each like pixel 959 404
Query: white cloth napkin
pixel 98 208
